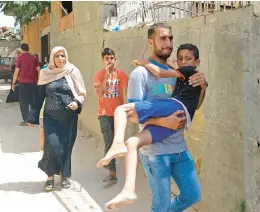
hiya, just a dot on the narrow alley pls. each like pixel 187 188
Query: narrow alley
pixel 21 182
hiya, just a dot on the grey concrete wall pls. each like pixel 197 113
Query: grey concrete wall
pixel 225 132
pixel 83 43
pixel 7 48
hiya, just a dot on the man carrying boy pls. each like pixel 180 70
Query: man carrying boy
pixel 170 157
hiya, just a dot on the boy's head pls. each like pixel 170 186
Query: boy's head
pixel 188 55
pixel 109 57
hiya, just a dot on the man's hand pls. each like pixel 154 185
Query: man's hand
pixel 13 87
pixel 198 79
pixel 173 121
pixel 73 106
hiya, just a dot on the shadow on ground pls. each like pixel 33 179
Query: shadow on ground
pixel 25 187
pixel 15 138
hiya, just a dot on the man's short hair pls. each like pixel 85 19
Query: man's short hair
pixel 25 47
pixel 152 28
pixel 190 47
pixel 108 51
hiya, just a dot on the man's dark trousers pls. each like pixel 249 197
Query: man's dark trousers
pixel 27 92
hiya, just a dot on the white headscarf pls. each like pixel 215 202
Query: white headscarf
pixel 69 71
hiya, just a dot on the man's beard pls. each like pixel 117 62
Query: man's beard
pixel 163 56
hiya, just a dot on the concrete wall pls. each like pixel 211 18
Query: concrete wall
pixel 7 48
pixel 83 43
pixel 225 131
pixel 33 32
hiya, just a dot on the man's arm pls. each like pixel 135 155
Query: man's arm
pixel 199 79
pixel 172 122
pixel 201 98
pixel 101 88
pixel 136 89
pixel 137 84
pixel 100 83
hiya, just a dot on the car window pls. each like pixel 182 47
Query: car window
pixel 5 60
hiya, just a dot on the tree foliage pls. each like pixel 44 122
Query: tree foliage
pixel 23 11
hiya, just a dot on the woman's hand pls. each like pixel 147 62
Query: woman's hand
pixel 73 106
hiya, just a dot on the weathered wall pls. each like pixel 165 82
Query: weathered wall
pixel 7 48
pixel 84 44
pixel 225 130
pixel 32 32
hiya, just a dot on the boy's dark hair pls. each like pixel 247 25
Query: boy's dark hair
pixel 152 28
pixel 190 47
pixel 108 51
pixel 25 47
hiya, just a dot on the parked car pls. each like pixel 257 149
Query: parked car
pixel 5 71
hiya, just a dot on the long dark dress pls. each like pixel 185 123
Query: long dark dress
pixel 13 96
pixel 60 126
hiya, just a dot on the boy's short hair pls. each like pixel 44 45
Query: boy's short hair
pixel 108 51
pixel 190 47
pixel 152 28
pixel 25 47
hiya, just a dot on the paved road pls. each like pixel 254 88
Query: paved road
pixel 21 182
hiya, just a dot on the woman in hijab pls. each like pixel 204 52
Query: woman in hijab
pixel 13 96
pixel 62 87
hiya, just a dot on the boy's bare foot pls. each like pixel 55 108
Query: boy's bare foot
pixel 114 152
pixel 124 198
